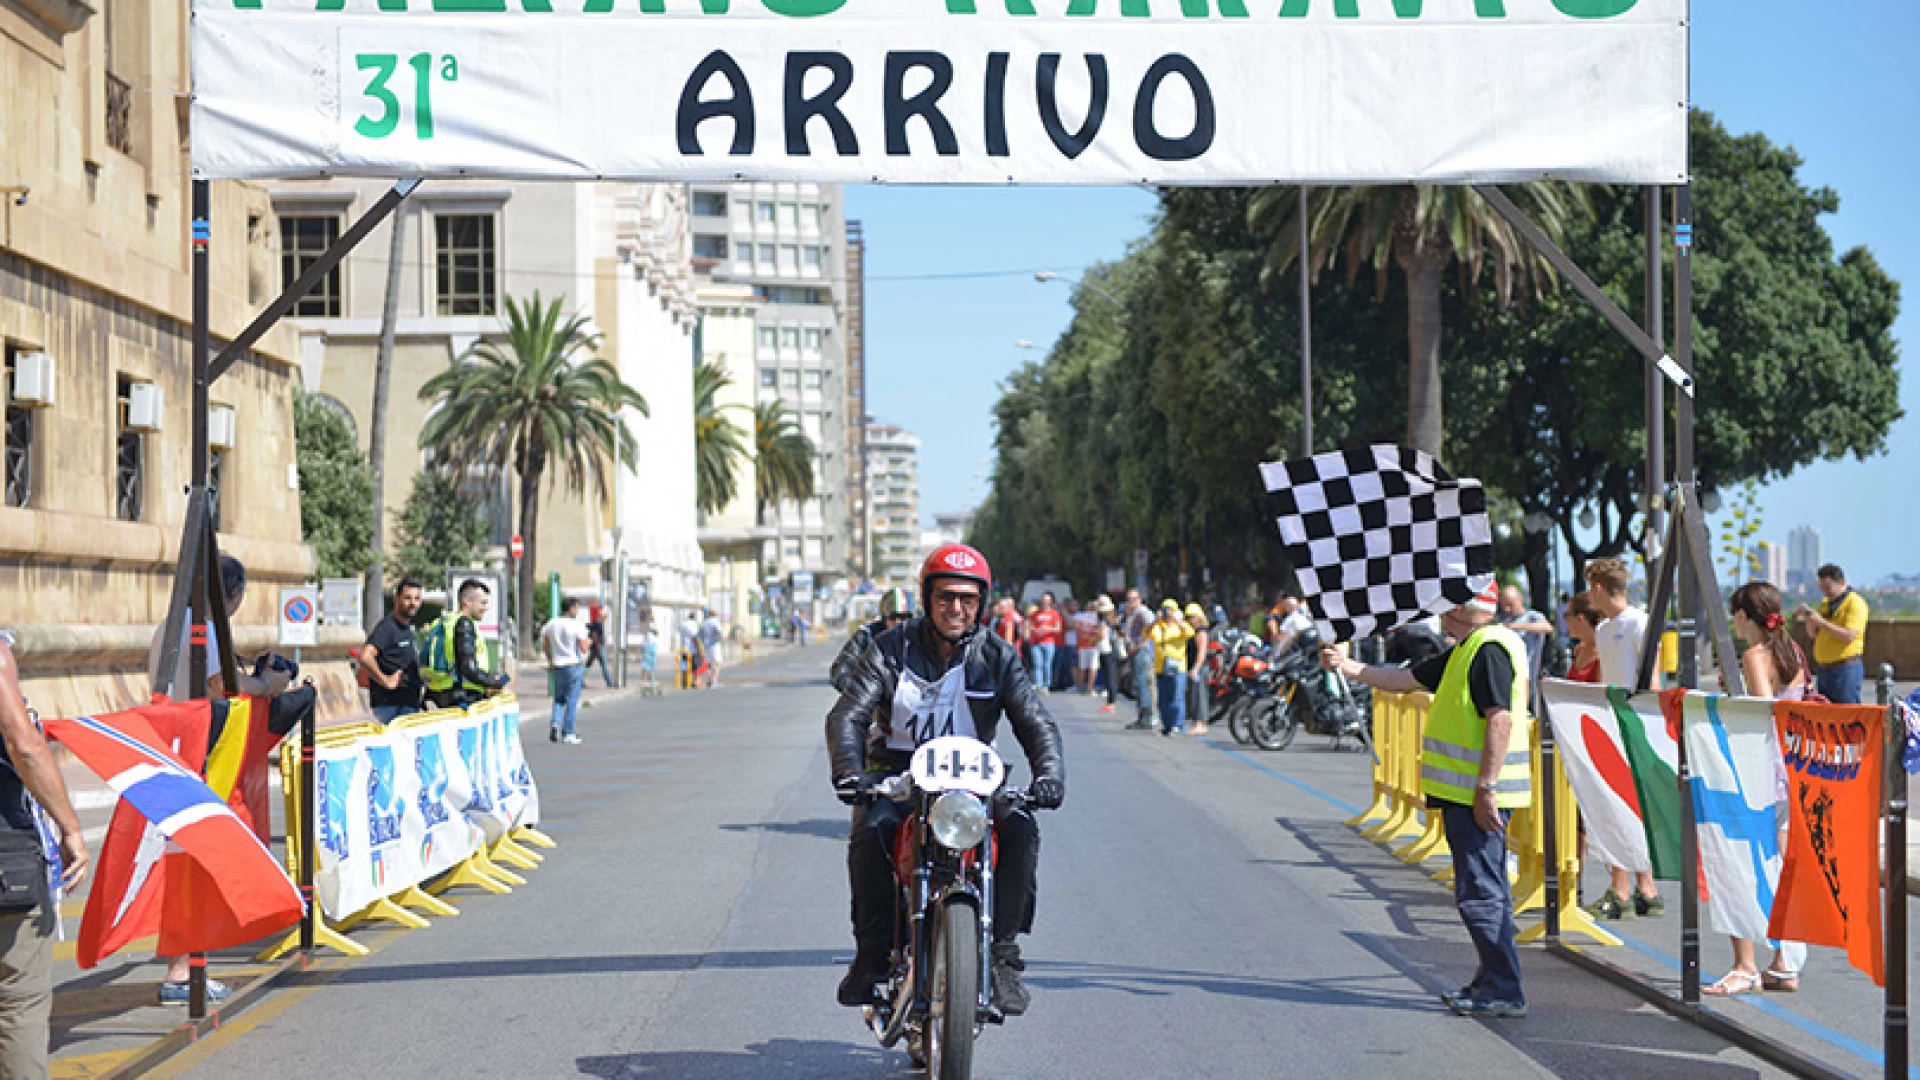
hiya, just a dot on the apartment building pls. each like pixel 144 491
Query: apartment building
pixel 617 253
pixel 893 478
pixel 787 244
pixel 95 320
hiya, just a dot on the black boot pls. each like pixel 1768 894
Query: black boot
pixel 1009 993
pixel 861 986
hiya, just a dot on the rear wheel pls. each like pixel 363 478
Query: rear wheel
pixel 956 993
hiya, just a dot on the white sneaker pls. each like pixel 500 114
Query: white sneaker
pixel 571 740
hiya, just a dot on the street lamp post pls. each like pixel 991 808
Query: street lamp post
pixel 1045 276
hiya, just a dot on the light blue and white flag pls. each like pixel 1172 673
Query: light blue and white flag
pixel 1734 758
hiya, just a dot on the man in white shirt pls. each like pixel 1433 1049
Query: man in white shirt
pixel 1618 639
pixel 566 641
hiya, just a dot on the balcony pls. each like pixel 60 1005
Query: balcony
pixel 119 114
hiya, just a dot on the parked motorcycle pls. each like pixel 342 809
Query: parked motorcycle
pixel 1242 684
pixel 937 997
pixel 1307 697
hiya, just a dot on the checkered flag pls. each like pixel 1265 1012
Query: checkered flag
pixel 1379 536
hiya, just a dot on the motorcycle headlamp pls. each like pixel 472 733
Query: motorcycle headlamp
pixel 958 820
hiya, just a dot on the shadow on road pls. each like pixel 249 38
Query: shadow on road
pixel 1405 898
pixel 574 965
pixel 1341 990
pixel 823 828
pixel 778 1057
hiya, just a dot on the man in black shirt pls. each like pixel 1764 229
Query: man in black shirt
pixel 392 660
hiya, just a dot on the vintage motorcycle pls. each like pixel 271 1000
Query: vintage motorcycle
pixel 936 999
pixel 1306 697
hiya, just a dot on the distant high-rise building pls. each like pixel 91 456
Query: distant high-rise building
pixel 893 490
pixel 1803 558
pixel 1771 561
pixel 787 244
pixel 859 547
pixel 947 529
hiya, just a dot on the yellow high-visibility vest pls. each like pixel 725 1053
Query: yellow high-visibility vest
pixel 1456 733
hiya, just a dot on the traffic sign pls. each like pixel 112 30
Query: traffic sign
pixel 340 603
pixel 299 618
pixel 517 548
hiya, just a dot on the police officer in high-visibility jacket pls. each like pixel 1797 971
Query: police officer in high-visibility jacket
pixel 1475 769
pixel 456 661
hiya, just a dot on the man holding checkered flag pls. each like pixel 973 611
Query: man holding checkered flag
pixel 1382 535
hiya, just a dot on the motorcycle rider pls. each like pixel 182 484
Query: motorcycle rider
pixel 896 607
pixel 939 674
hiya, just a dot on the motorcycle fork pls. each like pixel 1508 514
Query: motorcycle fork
pixel 989 853
pixel 922 905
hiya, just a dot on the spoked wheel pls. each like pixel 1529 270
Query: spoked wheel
pixel 1273 723
pixel 1238 714
pixel 956 993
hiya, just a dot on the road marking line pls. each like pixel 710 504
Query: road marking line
pixel 88 1066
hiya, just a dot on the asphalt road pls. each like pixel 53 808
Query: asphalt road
pixel 1200 916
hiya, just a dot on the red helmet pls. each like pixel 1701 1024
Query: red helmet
pixel 955 561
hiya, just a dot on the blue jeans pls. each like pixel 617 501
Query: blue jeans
pixel 1173 701
pixel 567 683
pixel 1043 666
pixel 1143 682
pixel 1840 683
pixel 387 714
pixel 1486 903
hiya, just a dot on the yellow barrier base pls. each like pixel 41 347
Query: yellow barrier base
pixel 1431 843
pixel 324 937
pixel 1403 824
pixel 494 870
pixel 415 897
pixel 384 911
pixel 506 851
pixel 468 873
pixel 530 835
pixel 1381 808
pixel 1573 920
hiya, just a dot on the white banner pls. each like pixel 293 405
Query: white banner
pixel 411 803
pixel 969 92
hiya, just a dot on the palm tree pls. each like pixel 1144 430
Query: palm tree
pixel 374 599
pixel 1422 229
pixel 542 401
pixel 718 445
pixel 783 457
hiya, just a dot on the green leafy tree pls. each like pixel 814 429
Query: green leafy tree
pixel 1423 231
pixel 336 488
pixel 440 527
pixel 783 462
pixel 542 403
pixel 718 444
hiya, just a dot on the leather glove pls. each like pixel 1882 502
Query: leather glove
pixel 1048 792
pixel 849 789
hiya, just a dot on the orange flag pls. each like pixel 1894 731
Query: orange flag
pixel 1830 886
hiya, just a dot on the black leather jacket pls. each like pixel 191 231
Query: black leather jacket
pixel 468 673
pixel 841 673
pixel 996 685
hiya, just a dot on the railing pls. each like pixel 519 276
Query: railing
pixel 119 114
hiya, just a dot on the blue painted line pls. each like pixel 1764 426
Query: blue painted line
pixel 1308 788
pixel 1862 1050
pixel 1785 1015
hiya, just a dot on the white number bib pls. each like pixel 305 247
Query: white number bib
pixel 923 711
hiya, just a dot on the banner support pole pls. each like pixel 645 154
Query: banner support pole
pixel 1895 1037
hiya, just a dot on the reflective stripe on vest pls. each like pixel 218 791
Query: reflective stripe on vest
pixel 1456 734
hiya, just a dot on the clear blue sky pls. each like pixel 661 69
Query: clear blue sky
pixel 1838 81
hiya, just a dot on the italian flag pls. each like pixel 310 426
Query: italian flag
pixel 1624 767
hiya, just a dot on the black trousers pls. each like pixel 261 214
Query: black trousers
pixel 875 894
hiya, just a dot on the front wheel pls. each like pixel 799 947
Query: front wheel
pixel 1273 723
pixel 1237 714
pixel 956 993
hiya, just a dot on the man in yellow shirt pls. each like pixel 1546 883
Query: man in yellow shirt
pixel 1170 636
pixel 1839 637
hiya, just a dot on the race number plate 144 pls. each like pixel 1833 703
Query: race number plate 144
pixel 957 763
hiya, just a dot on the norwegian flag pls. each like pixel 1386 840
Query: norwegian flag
pixel 181 864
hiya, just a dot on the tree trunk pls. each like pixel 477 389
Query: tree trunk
pixel 1534 555
pixel 1424 421
pixel 530 471
pixel 375 597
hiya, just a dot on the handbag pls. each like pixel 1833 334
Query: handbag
pixel 22 869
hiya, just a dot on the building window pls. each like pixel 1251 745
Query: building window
pixel 216 473
pixel 709 247
pixel 130 459
pixel 769 338
pixel 789 217
pixel 768 377
pixel 810 260
pixel 815 336
pixel 766 258
pixel 790 380
pixel 813 380
pixel 709 204
pixel 789 338
pixel 789 265
pixel 810 219
pixel 119 97
pixel 19 443
pixel 465 258
pixel 764 213
pixel 303 239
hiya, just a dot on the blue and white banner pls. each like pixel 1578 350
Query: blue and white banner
pixel 398 808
